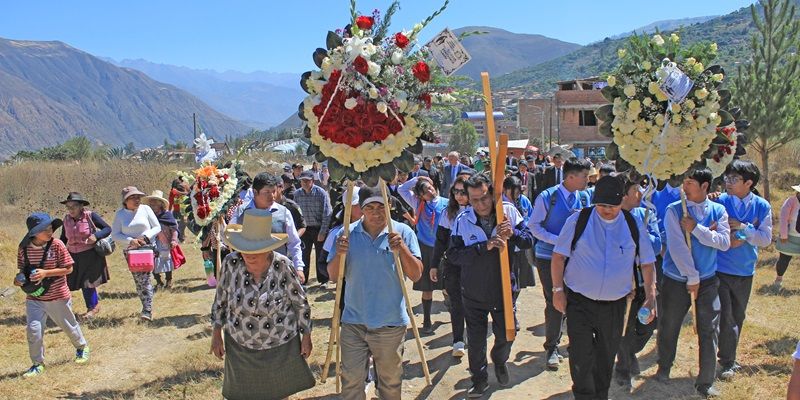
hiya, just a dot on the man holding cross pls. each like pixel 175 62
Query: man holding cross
pixel 374 319
pixel 601 244
pixel 690 274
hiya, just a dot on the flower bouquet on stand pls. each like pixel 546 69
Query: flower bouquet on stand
pixel 368 106
pixel 668 111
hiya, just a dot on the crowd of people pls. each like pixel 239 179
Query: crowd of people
pixel 595 243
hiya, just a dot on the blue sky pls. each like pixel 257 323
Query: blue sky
pixel 279 36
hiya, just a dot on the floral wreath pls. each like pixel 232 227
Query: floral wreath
pixel 662 136
pixel 213 192
pixel 366 106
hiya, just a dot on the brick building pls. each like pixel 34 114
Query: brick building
pixel 568 117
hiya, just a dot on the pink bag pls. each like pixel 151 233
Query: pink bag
pixel 141 260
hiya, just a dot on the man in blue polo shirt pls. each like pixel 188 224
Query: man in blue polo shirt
pixel 750 219
pixel 690 273
pixel 591 290
pixel 551 209
pixel 374 319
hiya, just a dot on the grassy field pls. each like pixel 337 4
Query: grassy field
pixel 168 359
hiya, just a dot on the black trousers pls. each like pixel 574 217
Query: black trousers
pixel 783 263
pixel 552 318
pixel 309 240
pixel 635 338
pixel 452 284
pixel 594 329
pixel 477 319
pixel 734 294
pixel 675 301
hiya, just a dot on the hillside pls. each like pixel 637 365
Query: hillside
pixel 666 25
pixel 731 32
pixel 52 92
pixel 259 99
pixel 500 52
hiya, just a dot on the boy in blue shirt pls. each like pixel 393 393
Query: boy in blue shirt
pixel 750 219
pixel 692 273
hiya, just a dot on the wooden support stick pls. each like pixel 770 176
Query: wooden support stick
pixel 628 302
pixel 333 341
pixel 220 222
pixel 689 244
pixel 402 281
pixel 498 164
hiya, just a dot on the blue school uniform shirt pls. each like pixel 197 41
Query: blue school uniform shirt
pixel 752 210
pixel 547 231
pixel 652 227
pixel 701 263
pixel 373 296
pixel 661 199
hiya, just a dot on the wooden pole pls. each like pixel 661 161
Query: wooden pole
pixel 689 244
pixel 498 164
pixel 402 281
pixel 220 222
pixel 333 341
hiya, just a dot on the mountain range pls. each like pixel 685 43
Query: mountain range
pixel 52 92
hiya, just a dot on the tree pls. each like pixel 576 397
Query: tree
pixel 765 87
pixel 464 138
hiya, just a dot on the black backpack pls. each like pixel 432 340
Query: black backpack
pixel 583 220
pixel 32 288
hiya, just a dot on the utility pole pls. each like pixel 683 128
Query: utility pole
pixel 194 123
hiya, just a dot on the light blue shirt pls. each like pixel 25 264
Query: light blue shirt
pixel 601 267
pixel 540 212
pixel 373 296
pixel 718 239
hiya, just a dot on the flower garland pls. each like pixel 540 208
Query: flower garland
pixel 652 134
pixel 212 189
pixel 365 103
pixel 723 153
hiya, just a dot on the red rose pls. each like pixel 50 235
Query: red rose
pixel 201 212
pixel 361 65
pixel 348 118
pixel 421 71
pixel 352 136
pixel 213 193
pixel 364 22
pixel 394 125
pixel 379 132
pixel 400 40
pixel 426 98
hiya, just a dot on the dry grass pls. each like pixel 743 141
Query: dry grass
pixel 169 358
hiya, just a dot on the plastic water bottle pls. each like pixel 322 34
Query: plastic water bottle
pixel 644 315
pixel 20 278
pixel 208 265
pixel 740 234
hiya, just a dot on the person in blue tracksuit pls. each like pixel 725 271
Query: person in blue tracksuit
pixel 634 340
pixel 692 273
pixel 551 209
pixel 475 245
pixel 750 219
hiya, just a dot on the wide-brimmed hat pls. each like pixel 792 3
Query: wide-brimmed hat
pixel 797 188
pixel 76 197
pixel 593 171
pixel 38 222
pixel 157 195
pixel 129 191
pixel 254 235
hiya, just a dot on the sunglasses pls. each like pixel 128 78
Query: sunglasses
pixel 459 192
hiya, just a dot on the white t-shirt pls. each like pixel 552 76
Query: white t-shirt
pixel 797 352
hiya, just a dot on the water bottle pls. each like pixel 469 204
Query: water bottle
pixel 740 234
pixel 20 278
pixel 644 315
pixel 208 265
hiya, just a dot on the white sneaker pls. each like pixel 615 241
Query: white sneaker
pixel 458 349
pixel 330 285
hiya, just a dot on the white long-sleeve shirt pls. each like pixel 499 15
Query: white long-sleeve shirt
pixel 676 241
pixel 129 225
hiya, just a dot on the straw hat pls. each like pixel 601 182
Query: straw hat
pixel 254 235
pixel 797 188
pixel 593 171
pixel 158 195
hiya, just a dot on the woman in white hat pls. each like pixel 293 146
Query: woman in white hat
pixel 165 240
pixel 261 310
pixel 135 226
pixel 789 241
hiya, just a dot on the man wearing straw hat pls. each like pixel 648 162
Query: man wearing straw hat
pixel 374 319
pixel 602 244
pixel 264 187
pixel 690 274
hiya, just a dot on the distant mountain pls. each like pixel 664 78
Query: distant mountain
pixel 500 52
pixel 259 99
pixel 668 25
pixel 52 92
pixel 731 32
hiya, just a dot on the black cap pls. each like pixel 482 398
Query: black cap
pixel 522 163
pixel 608 191
pixel 297 165
pixel 370 194
pixel 307 175
pixel 427 159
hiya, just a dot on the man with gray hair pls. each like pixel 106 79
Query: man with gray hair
pixel 451 171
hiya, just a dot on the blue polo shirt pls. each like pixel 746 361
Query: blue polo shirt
pixel 373 296
pixel 601 266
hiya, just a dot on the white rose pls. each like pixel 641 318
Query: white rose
pixel 382 107
pixel 630 90
pixel 350 103
pixel 374 69
pixel 373 93
pixel 397 57
pixel 657 40
pixel 402 104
